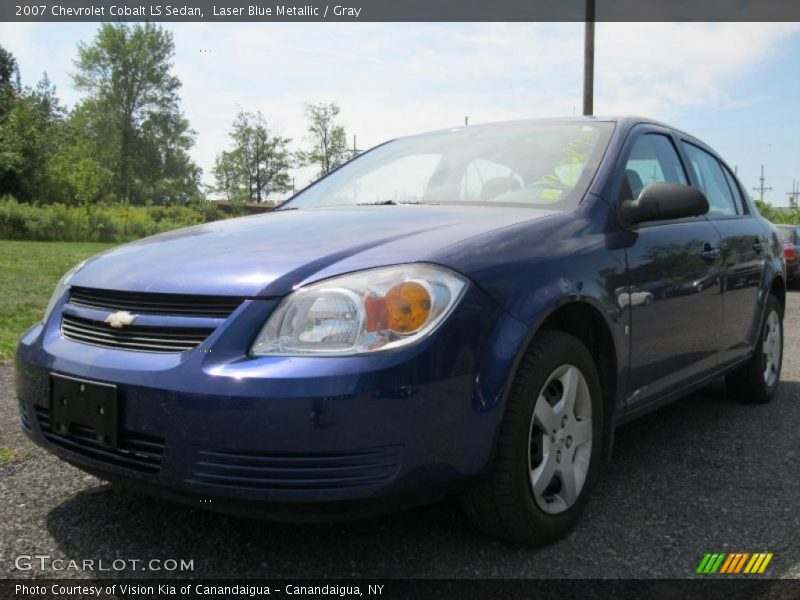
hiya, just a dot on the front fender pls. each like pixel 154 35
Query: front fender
pixel 533 269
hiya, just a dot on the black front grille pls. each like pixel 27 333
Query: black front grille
pixel 156 304
pixel 297 471
pixel 133 337
pixel 135 451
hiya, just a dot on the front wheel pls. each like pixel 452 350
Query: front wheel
pixel 757 380
pixel 549 445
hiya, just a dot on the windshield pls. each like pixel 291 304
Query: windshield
pixel 530 163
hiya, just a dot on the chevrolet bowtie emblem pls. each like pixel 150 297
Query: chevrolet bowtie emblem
pixel 120 319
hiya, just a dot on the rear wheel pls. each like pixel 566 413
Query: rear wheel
pixel 549 447
pixel 757 380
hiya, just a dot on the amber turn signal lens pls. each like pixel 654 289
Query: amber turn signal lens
pixel 377 314
pixel 409 306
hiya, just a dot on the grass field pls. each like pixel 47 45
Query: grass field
pixel 28 273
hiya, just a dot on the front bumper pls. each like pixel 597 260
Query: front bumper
pixel 215 427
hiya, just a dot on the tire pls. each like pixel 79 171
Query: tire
pixel 757 380
pixel 504 503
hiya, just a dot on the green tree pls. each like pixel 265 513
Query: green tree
pixel 30 135
pixel 9 81
pixel 794 209
pixel 766 210
pixel 132 113
pixel 10 158
pixel 229 177
pixel 74 170
pixel 9 71
pixel 259 163
pixel 328 139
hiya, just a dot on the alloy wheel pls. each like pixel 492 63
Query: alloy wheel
pixel 560 440
pixel 772 348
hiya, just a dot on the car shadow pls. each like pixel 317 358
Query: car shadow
pixel 670 473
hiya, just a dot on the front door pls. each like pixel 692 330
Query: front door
pixel 674 281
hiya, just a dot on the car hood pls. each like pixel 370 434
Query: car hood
pixel 270 254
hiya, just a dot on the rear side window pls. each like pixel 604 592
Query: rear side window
pixel 653 158
pixel 736 190
pixel 712 181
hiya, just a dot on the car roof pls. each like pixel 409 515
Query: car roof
pixel 624 123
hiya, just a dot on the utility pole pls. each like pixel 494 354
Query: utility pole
pixel 588 60
pixel 466 121
pixel 793 195
pixel 761 188
pixel 795 190
pixel 355 150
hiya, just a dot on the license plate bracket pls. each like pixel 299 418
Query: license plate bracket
pixel 78 402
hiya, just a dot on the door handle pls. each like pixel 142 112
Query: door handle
pixel 710 254
pixel 758 247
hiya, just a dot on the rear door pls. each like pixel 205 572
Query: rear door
pixel 674 279
pixel 744 246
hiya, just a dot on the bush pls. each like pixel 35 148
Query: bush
pixel 97 222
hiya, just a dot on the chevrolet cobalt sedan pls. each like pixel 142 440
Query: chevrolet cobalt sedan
pixel 469 312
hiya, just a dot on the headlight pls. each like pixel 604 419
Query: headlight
pixel 61 287
pixel 367 311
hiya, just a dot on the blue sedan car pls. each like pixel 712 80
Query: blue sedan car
pixel 467 312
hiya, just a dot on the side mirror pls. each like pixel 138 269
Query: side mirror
pixel 661 201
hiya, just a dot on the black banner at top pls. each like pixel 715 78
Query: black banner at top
pixel 398 10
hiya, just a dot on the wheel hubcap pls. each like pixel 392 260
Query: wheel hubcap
pixel 772 349
pixel 560 440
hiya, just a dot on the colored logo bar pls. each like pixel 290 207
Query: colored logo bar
pixel 734 563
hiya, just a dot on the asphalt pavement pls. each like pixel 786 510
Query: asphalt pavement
pixel 705 474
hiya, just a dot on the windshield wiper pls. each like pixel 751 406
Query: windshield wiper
pixel 393 203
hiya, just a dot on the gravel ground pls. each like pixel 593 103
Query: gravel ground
pixel 704 474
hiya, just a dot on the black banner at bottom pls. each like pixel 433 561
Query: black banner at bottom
pixel 500 589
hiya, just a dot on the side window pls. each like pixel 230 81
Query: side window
pixel 488 180
pixel 736 190
pixel 712 181
pixel 653 158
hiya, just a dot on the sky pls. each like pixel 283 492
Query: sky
pixel 733 85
